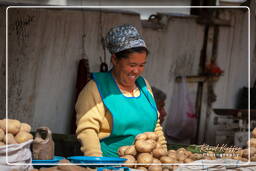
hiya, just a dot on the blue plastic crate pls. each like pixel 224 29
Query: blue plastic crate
pixel 96 161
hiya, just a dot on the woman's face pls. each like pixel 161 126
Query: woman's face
pixel 127 70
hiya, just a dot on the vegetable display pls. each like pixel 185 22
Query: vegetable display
pixel 147 153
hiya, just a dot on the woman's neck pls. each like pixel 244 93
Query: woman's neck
pixel 122 86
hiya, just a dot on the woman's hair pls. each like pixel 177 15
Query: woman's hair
pixel 127 52
pixel 159 95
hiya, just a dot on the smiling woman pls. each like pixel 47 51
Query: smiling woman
pixel 112 106
pixel 128 68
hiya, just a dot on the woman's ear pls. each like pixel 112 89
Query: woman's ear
pixel 113 59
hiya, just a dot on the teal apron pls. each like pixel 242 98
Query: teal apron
pixel 130 115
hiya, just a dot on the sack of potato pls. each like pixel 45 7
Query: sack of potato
pixel 15 137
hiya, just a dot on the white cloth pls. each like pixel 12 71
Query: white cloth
pixel 19 157
pixel 218 165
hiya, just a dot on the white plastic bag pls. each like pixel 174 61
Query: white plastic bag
pixel 17 154
pixel 181 121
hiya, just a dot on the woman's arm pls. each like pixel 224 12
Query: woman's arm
pixel 90 113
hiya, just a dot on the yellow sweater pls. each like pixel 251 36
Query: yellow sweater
pixel 94 120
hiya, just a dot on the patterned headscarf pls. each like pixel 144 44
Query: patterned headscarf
pixel 123 37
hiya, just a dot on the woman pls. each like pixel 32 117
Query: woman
pixel 160 98
pixel 116 106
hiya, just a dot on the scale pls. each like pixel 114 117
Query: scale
pixel 241 134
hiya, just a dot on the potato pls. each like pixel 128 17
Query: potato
pixel 121 150
pixel 244 159
pixel 211 155
pixel 145 158
pixel 239 152
pixel 142 168
pixel 2 123
pixel 9 139
pixel 171 151
pixel 188 160
pixel 13 126
pixel 237 157
pixel 151 141
pixel 174 167
pixel 181 157
pixel 55 168
pixel 151 135
pixel 25 127
pixel 252 151
pixel 226 155
pixel 158 152
pixel 141 137
pixel 181 152
pixel 69 168
pixel 23 137
pixel 254 133
pixel 172 155
pixel 155 168
pixel 167 167
pixel 64 161
pixel 166 159
pixel 156 161
pixel 188 154
pixel 130 150
pixel 158 145
pixel 144 146
pixel 1 134
pixel 181 149
pixel 130 160
pixel 196 156
pixel 207 158
pixel 246 152
pixel 252 142
pixel 253 158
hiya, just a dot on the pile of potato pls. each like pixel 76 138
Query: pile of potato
pixel 15 133
pixel 243 154
pixel 148 154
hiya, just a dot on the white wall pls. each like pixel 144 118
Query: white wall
pixel 174 52
pixel 232 57
pixel 44 51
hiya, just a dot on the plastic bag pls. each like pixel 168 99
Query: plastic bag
pixel 19 154
pixel 181 121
